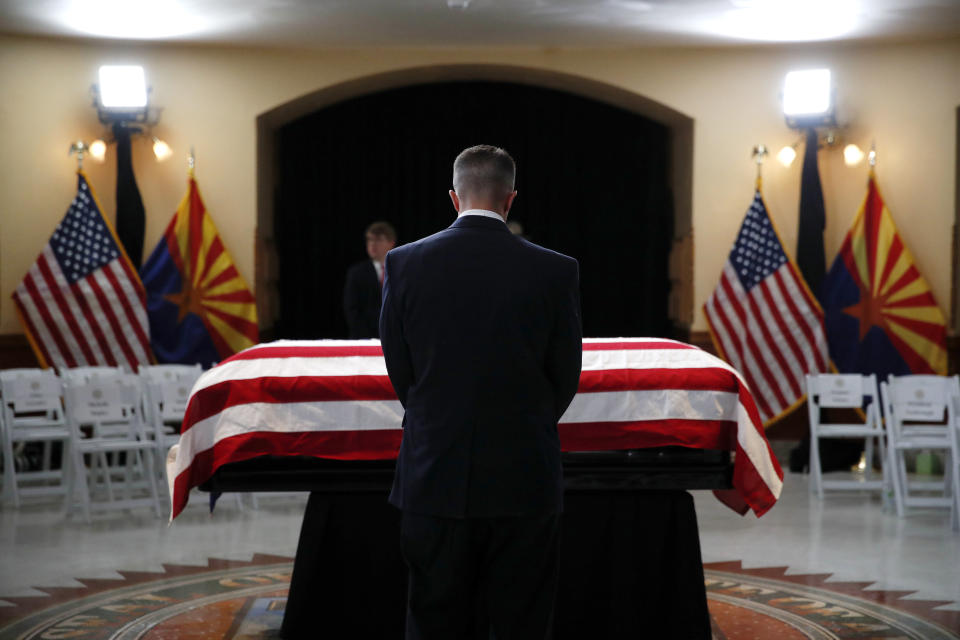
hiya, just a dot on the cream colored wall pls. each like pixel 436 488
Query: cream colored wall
pixel 904 96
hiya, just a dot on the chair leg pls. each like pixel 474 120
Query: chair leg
pixel 898 489
pixel 10 473
pixel 147 467
pixel 816 471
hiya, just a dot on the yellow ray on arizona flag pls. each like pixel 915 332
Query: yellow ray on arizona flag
pixel 200 307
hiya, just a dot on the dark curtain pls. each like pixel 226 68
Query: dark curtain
pixel 592 182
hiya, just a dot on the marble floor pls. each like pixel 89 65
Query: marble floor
pixel 847 535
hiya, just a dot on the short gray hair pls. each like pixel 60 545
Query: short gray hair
pixel 484 171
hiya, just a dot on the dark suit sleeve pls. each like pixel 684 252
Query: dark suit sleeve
pixel 395 349
pixel 564 353
pixel 352 302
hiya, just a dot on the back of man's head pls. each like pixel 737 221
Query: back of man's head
pixel 483 173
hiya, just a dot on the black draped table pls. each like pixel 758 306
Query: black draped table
pixel 652 419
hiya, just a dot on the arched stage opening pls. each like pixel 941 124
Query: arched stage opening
pixel 603 175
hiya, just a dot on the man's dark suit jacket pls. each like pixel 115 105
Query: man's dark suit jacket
pixel 482 338
pixel 361 300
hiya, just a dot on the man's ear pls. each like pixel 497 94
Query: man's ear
pixel 455 199
pixel 508 203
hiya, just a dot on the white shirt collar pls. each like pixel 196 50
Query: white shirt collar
pixel 481 212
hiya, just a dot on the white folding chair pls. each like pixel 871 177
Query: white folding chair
pixel 920 416
pixel 955 509
pixel 79 375
pixel 845 391
pixel 33 412
pixel 166 390
pixel 104 416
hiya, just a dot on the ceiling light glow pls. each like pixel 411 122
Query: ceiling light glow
pixel 852 155
pixel 787 20
pixel 131 19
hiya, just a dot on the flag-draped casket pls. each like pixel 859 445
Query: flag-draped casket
pixel 333 399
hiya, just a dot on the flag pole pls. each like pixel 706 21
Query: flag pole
pixel 759 153
pixel 872 156
pixel 191 161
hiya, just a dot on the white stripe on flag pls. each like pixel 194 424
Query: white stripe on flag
pixel 139 310
pixel 61 325
pixel 777 344
pixel 755 446
pixel 752 371
pixel 808 314
pixel 793 326
pixel 287 417
pixel 652 404
pixel 781 342
pixel 718 321
pixel 293 367
pixel 127 335
pixel 86 332
pixel 100 317
pixel 30 300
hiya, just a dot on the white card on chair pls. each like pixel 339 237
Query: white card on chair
pixel 845 390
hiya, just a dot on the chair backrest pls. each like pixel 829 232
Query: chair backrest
pixel 920 398
pixel 839 390
pixel 78 375
pixel 32 398
pixel 843 391
pixel 167 389
pixel 920 405
pixel 110 404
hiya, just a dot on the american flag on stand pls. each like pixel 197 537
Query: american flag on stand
pixel 81 303
pixel 764 320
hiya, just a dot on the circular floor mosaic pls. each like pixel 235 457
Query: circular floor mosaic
pixel 245 601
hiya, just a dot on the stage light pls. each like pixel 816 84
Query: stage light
pixel 852 155
pixel 786 156
pixel 122 87
pixel 161 149
pixel 808 99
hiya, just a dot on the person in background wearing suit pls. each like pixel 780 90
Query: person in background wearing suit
pixel 481 334
pixel 361 292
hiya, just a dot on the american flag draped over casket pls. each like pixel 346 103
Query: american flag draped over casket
pixel 333 399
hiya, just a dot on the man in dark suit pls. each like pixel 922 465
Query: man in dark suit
pixel 361 291
pixel 482 338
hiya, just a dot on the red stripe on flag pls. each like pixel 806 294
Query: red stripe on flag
pixel 98 335
pixel 634 345
pixel 642 434
pixel 211 400
pixel 784 329
pixel 759 358
pixel 32 329
pixel 45 316
pixel 134 281
pixel 772 347
pixel 337 445
pixel 66 310
pixel 804 327
pixel 127 305
pixel 699 379
pixel 318 351
pixel 118 333
pixel 719 317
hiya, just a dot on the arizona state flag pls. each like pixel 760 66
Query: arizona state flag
pixel 880 314
pixel 200 307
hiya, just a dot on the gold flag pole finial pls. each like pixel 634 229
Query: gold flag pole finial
pixel 759 153
pixel 191 161
pixel 79 147
pixel 872 155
